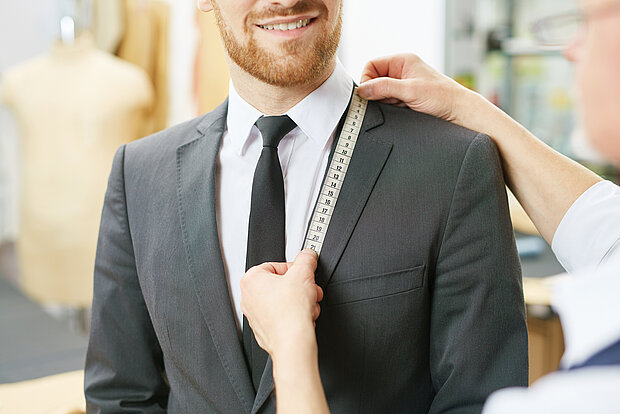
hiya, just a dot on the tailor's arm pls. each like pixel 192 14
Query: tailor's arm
pixel 545 182
pixel 280 301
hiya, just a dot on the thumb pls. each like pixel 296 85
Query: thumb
pixel 305 264
pixel 382 88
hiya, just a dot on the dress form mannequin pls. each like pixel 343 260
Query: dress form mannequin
pixel 74 106
pixel 19 20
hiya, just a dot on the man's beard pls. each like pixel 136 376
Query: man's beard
pixel 299 63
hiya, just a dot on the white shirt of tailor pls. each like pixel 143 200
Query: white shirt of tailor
pixel 587 390
pixel 303 154
pixel 589 232
pixel 587 243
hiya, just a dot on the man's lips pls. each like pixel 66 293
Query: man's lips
pixel 284 25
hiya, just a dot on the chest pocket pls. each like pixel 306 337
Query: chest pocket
pixel 374 286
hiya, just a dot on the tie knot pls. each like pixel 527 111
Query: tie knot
pixel 274 128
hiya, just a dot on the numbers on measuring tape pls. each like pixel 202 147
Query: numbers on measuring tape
pixel 337 171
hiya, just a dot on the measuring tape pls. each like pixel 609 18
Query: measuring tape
pixel 335 174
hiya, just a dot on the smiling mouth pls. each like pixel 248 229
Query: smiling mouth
pixel 284 27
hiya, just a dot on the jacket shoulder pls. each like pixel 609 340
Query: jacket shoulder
pixel 423 145
pixel 431 141
pixel 416 128
pixel 159 146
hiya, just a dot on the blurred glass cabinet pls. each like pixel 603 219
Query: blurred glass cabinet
pixel 490 48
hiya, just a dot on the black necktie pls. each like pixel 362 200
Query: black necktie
pixel 266 233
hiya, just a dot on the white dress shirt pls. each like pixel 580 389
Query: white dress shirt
pixel 590 230
pixel 587 243
pixel 303 154
pixel 583 391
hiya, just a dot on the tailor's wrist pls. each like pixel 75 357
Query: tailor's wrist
pixel 295 358
pixel 467 106
pixel 300 339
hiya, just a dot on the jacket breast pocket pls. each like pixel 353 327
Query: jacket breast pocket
pixel 374 286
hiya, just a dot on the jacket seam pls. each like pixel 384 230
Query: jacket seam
pixel 456 186
pixel 124 189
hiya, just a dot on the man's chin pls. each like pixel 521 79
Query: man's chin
pixel 285 63
pixel 281 67
pixel 284 76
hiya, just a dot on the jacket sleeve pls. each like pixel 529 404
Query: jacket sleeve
pixel 124 366
pixel 478 338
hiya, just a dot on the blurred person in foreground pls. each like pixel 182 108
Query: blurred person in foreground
pixel 576 211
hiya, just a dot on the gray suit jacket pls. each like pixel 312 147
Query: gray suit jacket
pixel 423 308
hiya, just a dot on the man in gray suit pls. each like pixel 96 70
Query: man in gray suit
pixel 423 308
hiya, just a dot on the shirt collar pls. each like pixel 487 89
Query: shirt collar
pixel 317 115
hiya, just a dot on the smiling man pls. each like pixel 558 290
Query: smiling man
pixel 423 308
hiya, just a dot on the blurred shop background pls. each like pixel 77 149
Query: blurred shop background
pixel 78 78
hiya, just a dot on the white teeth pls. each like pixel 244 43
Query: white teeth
pixel 286 26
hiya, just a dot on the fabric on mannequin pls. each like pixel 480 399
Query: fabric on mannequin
pixel 74 106
pixel 108 24
pixel 210 69
pixel 146 44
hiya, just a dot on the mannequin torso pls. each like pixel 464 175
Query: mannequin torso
pixel 74 106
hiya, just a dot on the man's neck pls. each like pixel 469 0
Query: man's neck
pixel 270 99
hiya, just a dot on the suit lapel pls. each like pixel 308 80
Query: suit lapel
pixel 368 160
pixel 265 388
pixel 196 170
pixel 369 157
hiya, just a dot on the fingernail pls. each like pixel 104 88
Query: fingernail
pixel 365 90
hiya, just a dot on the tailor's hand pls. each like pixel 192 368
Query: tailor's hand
pixel 280 301
pixel 407 81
